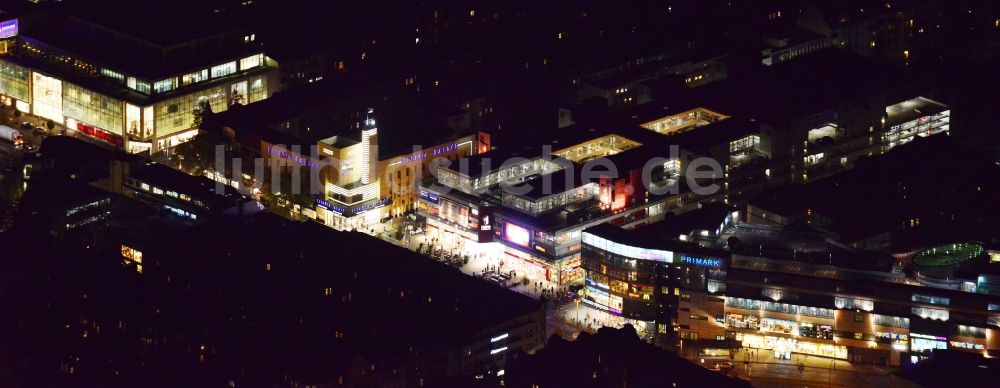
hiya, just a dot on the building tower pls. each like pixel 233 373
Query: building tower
pixel 369 147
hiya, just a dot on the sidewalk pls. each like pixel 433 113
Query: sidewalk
pixel 761 368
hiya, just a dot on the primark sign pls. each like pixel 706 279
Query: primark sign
pixel 701 261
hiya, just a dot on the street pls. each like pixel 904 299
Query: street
pixel 762 369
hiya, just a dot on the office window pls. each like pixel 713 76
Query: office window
pixel 224 69
pixel 195 77
pixel 886 320
pixel 113 75
pixel 258 90
pixel 251 62
pixel 938 300
pixel 928 313
pixel 165 85
pixel 139 85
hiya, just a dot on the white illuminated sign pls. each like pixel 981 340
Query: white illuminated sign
pixel 626 250
pixel 499 337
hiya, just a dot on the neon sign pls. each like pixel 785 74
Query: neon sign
pixel 429 196
pixel 966 345
pixel 285 154
pixel 354 210
pixel 891 335
pixel 435 152
pixel 701 262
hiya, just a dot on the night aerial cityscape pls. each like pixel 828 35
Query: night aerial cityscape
pixel 507 193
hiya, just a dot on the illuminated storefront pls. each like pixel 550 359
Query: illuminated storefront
pixel 47 96
pixel 923 342
pixel 784 347
pixel 93 109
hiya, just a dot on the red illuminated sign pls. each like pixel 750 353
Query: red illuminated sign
pixel 100 134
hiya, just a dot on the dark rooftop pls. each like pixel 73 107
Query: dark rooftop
pixel 136 38
pixel 198 187
pixel 706 217
pixel 932 179
pixel 610 358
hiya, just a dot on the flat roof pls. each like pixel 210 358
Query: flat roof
pixel 382 281
pixel 120 38
pixel 323 112
pixel 912 109
pixel 802 86
pixel 555 183
pixel 881 192
pixel 198 187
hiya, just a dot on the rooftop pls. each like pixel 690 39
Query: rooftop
pixel 913 109
pixel 920 182
pixel 135 37
pixel 802 86
pixel 198 187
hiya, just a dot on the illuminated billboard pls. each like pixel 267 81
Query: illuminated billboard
pixel 516 234
pixel 8 29
pixel 486 221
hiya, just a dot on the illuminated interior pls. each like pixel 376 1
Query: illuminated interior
pixel 683 122
pixel 596 148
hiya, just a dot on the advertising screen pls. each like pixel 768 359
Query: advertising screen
pixel 516 234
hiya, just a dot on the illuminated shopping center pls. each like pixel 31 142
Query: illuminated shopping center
pixel 535 228
pixel 858 306
pixel 132 93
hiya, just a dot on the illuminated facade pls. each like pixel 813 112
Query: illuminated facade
pixel 642 281
pixel 360 190
pixel 128 111
pixel 790 307
pixel 537 232
pixel 401 175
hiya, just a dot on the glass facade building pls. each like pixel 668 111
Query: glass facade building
pixel 14 81
pixel 94 109
pixel 177 114
pixel 145 113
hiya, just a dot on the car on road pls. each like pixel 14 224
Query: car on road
pixel 717 364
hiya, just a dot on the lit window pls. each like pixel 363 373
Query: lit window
pixel 250 62
pixel 165 85
pixel 224 69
